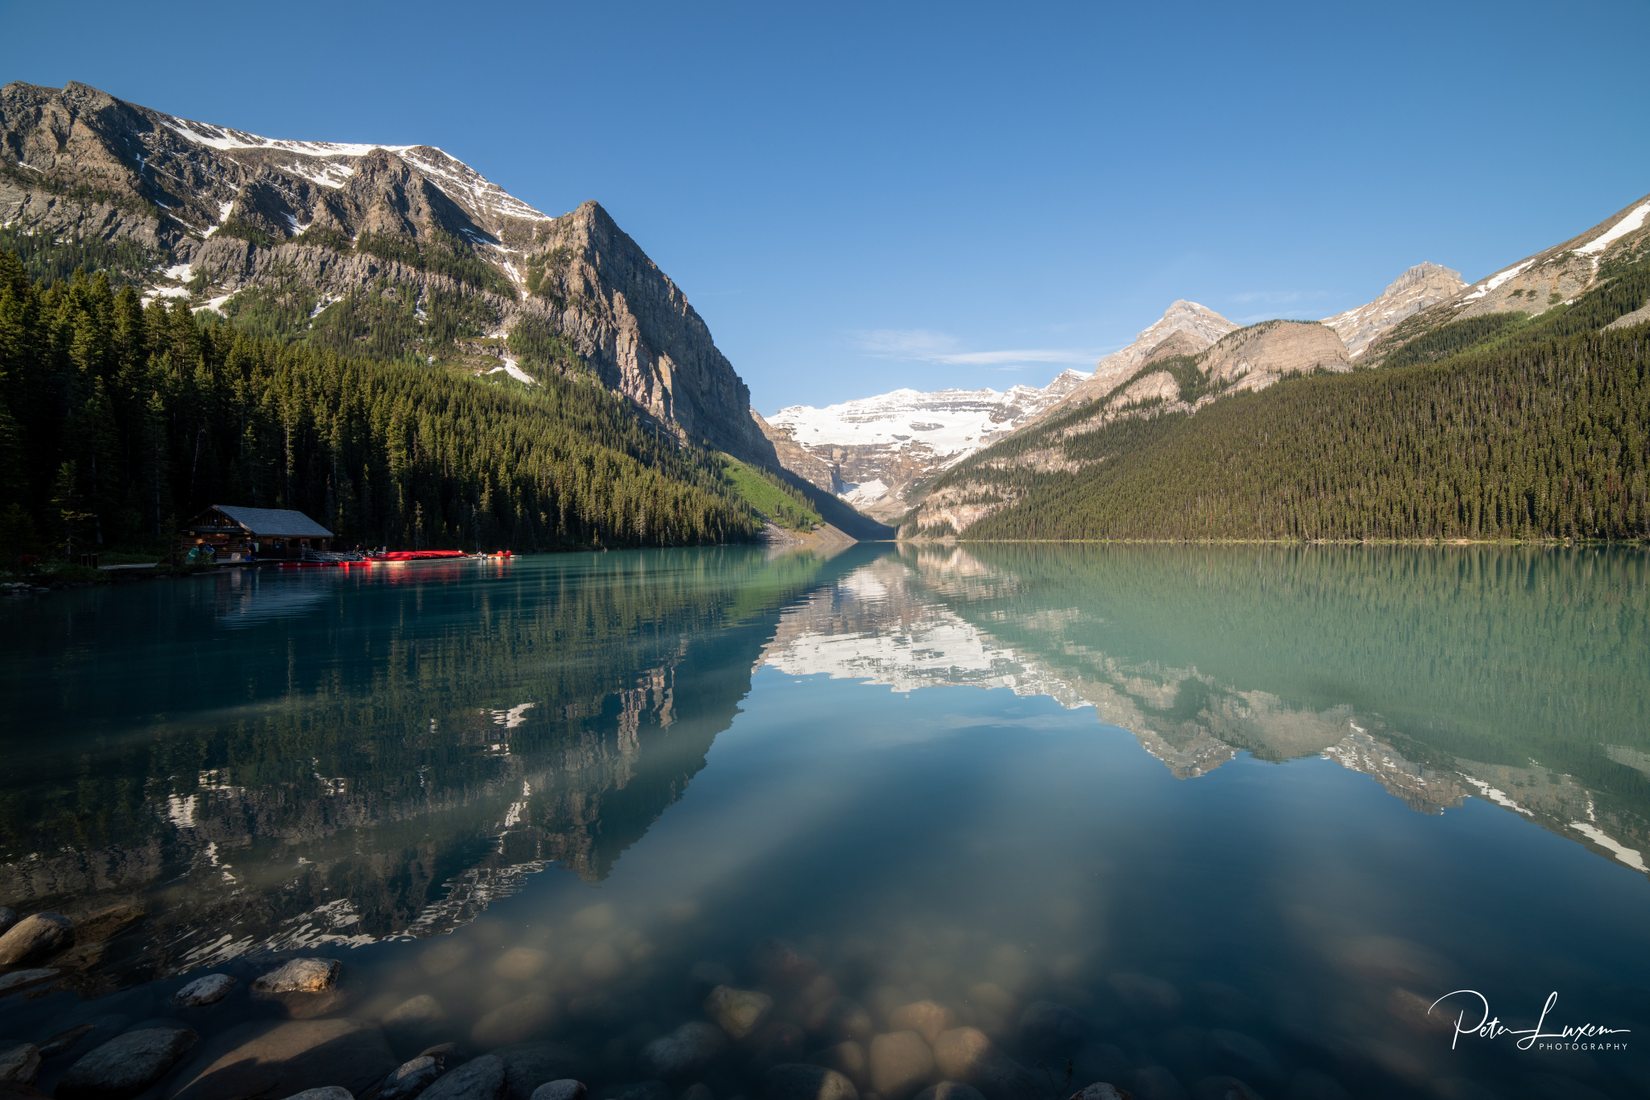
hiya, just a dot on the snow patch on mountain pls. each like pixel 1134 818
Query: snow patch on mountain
pixel 1632 223
pixel 950 423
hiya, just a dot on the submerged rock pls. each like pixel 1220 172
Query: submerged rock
pixel 35 937
pixel 8 917
pixel 565 1089
pixel 950 1090
pixel 204 991
pixel 798 1081
pixel 410 1078
pixel 126 1064
pixel 418 1011
pixel 1050 1029
pixel 515 1022
pixel 686 1051
pixel 1099 1090
pixel 300 976
pixel 737 1011
pixel 26 979
pixel 926 1018
pixel 268 1059
pixel 529 1065
pixel 900 1064
pixel 479 1079
pixel 19 1063
pixel 330 1092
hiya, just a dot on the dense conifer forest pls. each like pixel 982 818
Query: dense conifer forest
pixel 119 421
pixel 1501 427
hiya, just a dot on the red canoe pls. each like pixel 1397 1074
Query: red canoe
pixel 419 555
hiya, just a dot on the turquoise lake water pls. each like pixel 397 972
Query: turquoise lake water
pixel 1155 815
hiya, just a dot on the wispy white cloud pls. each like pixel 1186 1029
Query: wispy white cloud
pixel 920 345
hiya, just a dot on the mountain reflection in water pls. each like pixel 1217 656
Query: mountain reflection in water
pixel 921 767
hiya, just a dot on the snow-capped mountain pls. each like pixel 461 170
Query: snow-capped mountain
pixel 871 450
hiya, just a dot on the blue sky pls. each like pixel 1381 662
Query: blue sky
pixel 863 196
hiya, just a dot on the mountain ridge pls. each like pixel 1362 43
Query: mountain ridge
pixel 222 212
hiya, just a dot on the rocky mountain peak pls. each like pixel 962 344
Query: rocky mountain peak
pixel 1418 288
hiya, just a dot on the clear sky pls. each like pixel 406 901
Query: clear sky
pixel 858 197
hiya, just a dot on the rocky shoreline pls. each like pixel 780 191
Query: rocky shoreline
pixel 283 1028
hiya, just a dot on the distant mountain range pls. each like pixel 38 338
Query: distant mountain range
pixel 1156 445
pixel 876 451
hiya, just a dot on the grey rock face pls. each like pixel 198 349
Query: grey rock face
pixel 410 1078
pixel 204 991
pixel 127 1064
pixel 35 937
pixel 1099 1090
pixel 300 976
pixel 564 1089
pixel 19 1063
pixel 686 1051
pixel 479 1079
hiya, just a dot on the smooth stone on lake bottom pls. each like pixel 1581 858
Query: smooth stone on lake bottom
pixel 686 1051
pixel 926 1018
pixel 565 1089
pixel 950 1090
pixel 1048 1028
pixel 529 1065
pixel 901 1063
pixel 737 1011
pixel 330 1092
pixel 204 991
pixel 515 1022
pixel 19 1063
pixel 262 1058
pixel 300 976
pixel 26 979
pixel 799 1081
pixel 478 1079
pixel 421 1010
pixel 1099 1090
pixel 410 1078
pixel 35 937
pixel 127 1064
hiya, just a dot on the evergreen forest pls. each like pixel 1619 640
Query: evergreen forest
pixel 120 421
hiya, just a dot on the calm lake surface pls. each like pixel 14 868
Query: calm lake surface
pixel 1154 815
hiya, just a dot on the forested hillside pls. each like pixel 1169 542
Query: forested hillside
pixel 119 421
pixel 1503 427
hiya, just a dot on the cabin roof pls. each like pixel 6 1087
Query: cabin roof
pixel 274 522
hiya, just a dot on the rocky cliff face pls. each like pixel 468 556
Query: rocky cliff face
pixel 875 450
pixel 1185 328
pixel 207 214
pixel 1423 285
